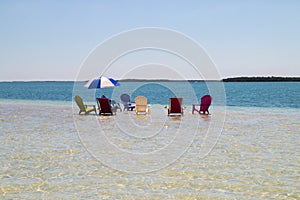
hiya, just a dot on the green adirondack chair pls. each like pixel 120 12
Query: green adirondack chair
pixel 86 109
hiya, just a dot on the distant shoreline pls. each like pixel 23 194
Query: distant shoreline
pixel 233 79
pixel 262 79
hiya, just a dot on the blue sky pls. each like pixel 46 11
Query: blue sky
pixel 49 40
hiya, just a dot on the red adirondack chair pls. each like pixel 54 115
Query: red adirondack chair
pixel 175 107
pixel 104 106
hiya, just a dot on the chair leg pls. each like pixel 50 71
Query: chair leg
pixel 119 107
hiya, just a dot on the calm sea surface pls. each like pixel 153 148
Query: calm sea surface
pixel 245 94
pixel 248 148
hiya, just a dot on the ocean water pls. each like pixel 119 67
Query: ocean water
pixel 246 149
pixel 243 94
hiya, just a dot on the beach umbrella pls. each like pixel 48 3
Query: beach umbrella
pixel 101 82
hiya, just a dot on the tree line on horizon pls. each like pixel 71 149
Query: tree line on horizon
pixel 261 79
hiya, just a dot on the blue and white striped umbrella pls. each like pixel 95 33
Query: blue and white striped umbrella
pixel 101 82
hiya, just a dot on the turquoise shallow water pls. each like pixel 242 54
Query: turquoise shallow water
pixel 48 151
pixel 243 94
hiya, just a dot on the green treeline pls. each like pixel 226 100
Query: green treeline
pixel 261 79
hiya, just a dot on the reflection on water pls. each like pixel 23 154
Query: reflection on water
pixel 256 157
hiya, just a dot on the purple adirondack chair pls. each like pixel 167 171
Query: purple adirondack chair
pixel 204 105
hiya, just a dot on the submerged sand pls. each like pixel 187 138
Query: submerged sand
pixel 48 151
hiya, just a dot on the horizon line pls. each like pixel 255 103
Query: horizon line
pixel 178 80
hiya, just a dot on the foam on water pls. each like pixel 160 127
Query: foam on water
pixel 44 156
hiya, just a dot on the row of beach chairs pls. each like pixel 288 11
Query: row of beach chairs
pixel 140 105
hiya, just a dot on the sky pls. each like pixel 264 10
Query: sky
pixel 51 40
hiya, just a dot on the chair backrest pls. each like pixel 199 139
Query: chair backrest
pixel 175 105
pixel 125 98
pixel 141 104
pixel 104 105
pixel 79 103
pixel 205 102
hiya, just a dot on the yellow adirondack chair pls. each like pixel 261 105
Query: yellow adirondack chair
pixel 141 106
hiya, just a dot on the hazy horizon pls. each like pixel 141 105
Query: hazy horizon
pixel 143 79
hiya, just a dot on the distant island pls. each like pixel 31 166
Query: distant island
pixel 262 79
